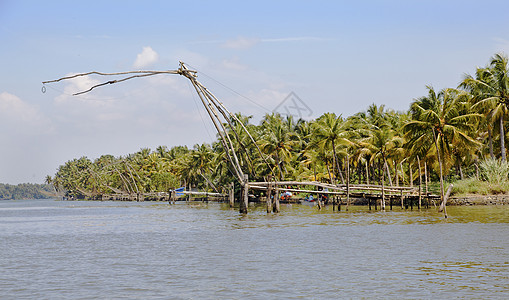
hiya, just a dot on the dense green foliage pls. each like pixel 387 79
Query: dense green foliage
pixel 451 133
pixel 26 191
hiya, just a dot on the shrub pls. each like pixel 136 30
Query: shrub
pixel 495 171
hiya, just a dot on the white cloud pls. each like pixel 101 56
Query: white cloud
pixel 234 64
pixel 241 43
pixel 146 58
pixel 18 116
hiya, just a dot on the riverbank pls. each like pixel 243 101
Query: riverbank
pixel 502 199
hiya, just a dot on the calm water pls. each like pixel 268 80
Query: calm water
pixel 85 250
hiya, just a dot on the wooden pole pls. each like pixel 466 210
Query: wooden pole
pixel 173 196
pixel 269 198
pixel 444 202
pixel 244 201
pixel 402 200
pixel 231 195
pixel 276 207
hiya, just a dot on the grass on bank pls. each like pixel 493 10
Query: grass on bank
pixel 494 180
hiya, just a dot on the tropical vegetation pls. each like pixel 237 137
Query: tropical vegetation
pixel 452 134
pixel 26 191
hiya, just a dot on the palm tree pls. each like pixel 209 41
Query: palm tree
pixel 329 132
pixel 490 90
pixel 441 119
pixel 277 141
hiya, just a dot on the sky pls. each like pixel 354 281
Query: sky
pixel 257 57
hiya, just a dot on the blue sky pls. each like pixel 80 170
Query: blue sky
pixel 338 56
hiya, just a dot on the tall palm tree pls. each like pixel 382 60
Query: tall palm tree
pixel 277 141
pixel 490 90
pixel 441 119
pixel 329 132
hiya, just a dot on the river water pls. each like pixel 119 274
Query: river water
pixel 151 250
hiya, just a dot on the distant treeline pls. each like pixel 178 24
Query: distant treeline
pixel 26 191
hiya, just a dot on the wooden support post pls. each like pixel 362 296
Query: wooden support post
pixel 420 183
pixel 339 203
pixel 276 207
pixel 269 198
pixel 173 197
pixel 244 201
pixel 444 202
pixel 402 199
pixel 231 194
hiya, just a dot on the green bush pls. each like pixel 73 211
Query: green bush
pixel 495 171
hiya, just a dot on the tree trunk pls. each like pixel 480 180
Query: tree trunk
pixel 367 173
pixel 347 182
pixel 388 172
pixel 337 162
pixel 382 204
pixel 490 142
pixel 502 138
pixel 440 165
pixel 420 182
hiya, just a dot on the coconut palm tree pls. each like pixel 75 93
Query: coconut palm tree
pixel 277 141
pixel 441 120
pixel 490 90
pixel 329 132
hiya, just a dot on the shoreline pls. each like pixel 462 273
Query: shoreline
pixel 501 199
